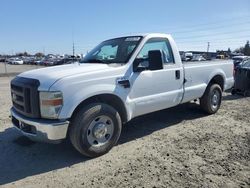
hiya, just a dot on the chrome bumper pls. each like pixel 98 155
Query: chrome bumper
pixel 52 131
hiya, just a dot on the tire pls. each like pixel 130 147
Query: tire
pixel 95 129
pixel 211 100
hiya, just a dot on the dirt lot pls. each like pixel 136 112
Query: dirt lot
pixel 177 147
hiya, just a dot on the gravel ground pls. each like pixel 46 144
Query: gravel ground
pixel 177 147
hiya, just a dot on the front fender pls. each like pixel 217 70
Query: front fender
pixel 73 99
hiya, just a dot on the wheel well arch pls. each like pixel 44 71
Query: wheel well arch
pixel 110 99
pixel 218 79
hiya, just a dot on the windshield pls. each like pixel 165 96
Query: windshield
pixel 113 51
pixel 246 64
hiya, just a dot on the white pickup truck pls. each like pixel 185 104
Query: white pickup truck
pixel 118 80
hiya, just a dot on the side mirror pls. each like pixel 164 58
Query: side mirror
pixel 155 60
pixel 137 66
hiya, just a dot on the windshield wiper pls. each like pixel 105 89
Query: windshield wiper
pixel 94 61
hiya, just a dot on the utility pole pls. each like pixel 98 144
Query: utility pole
pixel 73 41
pixel 73 50
pixel 208 46
pixel 5 66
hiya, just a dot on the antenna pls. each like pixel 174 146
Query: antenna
pixel 73 43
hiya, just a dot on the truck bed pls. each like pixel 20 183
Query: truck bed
pixel 198 74
pixel 208 61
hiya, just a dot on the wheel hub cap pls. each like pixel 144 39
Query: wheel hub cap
pixel 100 130
pixel 215 99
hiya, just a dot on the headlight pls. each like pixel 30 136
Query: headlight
pixel 50 104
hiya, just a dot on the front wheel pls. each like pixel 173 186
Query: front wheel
pixel 211 100
pixel 95 129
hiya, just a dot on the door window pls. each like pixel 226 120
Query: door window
pixel 156 44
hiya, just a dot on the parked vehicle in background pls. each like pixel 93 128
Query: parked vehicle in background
pixel 15 61
pixel 246 64
pixel 9 60
pixel 91 100
pixel 3 59
pixel 29 60
pixel 45 61
pixel 186 56
pixel 67 61
pixel 39 61
pixel 242 79
pixel 220 56
pixel 63 61
pixel 197 57
pixel 238 60
pixel 48 62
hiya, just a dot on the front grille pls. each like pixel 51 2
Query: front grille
pixel 25 97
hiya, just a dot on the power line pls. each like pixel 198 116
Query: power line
pixel 213 34
pixel 208 28
pixel 195 39
pixel 212 23
pixel 221 39
pixel 213 44
pixel 192 40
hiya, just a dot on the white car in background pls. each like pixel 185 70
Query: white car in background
pixel 198 58
pixel 15 61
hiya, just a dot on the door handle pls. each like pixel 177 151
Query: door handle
pixel 177 74
pixel 124 83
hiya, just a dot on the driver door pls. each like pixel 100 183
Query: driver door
pixel 153 90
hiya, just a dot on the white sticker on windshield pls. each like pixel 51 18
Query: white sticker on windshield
pixel 131 39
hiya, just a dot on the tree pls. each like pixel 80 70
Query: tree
pixel 247 49
pixel 239 50
pixel 22 54
pixel 39 54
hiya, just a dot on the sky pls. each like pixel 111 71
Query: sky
pixel 51 26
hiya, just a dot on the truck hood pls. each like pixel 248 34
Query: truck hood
pixel 48 76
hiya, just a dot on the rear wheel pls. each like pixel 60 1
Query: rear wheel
pixel 210 102
pixel 95 129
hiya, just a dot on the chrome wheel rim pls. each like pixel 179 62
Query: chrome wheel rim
pixel 215 99
pixel 100 131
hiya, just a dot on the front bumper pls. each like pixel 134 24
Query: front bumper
pixel 52 131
